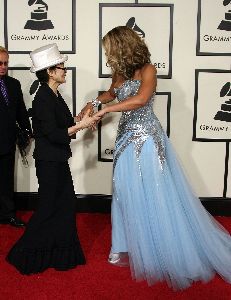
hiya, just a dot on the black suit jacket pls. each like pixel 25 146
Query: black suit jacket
pixel 9 114
pixel 51 118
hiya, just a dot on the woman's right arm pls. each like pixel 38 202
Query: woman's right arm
pixel 105 97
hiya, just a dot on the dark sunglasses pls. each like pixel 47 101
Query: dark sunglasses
pixel 60 68
pixel 4 63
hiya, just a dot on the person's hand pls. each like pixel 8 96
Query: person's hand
pixel 101 113
pixel 83 111
pixel 88 121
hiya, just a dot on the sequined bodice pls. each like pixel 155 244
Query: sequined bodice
pixel 136 126
pixel 142 119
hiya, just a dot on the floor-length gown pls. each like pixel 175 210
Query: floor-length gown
pixel 156 218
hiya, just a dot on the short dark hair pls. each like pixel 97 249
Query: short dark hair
pixel 43 76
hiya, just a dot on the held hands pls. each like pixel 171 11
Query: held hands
pixel 100 114
pixel 88 107
pixel 87 120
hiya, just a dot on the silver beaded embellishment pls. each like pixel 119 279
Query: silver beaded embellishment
pixel 136 126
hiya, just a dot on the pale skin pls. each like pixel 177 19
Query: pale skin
pixel 4 60
pixel 57 77
pixel 147 76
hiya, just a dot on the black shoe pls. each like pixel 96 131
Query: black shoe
pixel 13 221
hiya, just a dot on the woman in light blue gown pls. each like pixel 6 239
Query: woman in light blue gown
pixel 158 226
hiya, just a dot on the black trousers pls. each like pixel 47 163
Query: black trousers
pixel 7 206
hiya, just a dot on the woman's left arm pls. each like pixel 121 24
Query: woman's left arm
pixel 146 90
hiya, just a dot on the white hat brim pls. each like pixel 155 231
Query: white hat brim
pixel 49 64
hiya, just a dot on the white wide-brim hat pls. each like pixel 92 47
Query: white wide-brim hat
pixel 45 57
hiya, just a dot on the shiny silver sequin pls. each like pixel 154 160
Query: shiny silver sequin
pixel 136 126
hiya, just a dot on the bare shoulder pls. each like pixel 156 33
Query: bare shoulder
pixel 148 69
pixel 148 72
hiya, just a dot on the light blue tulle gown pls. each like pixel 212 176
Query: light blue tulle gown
pixel 156 218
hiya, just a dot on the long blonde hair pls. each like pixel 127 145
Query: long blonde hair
pixel 126 52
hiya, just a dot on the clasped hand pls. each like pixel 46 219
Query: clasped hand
pixel 87 115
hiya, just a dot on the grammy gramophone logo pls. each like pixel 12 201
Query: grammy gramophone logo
pixel 38 19
pixel 225 113
pixel 131 23
pixel 226 23
pixel 33 89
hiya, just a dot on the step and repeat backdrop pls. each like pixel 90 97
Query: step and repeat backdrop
pixel 190 43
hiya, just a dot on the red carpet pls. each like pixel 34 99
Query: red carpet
pixel 97 280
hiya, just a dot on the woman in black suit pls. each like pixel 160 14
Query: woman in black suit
pixel 50 239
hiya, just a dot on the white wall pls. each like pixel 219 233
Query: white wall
pixel 202 161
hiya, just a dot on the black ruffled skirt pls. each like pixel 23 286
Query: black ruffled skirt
pixel 50 239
